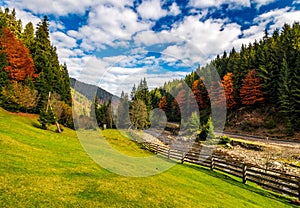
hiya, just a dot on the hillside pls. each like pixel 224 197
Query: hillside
pixel 90 91
pixel 44 169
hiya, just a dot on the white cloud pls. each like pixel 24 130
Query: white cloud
pixel 278 17
pixel 174 9
pixel 218 3
pixel 109 26
pixel 56 7
pixel 260 3
pixel 151 9
pixel 61 40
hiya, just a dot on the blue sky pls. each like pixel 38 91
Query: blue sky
pixel 115 43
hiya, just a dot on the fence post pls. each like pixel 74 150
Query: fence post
pixel 157 146
pixel 244 173
pixel 169 153
pixel 212 163
pixel 299 188
pixel 182 158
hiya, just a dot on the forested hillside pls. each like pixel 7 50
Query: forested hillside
pixel 31 77
pixel 261 78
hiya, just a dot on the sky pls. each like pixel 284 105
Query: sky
pixel 116 43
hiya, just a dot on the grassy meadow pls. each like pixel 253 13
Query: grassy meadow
pixel 44 169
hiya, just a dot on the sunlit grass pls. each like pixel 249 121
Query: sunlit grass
pixel 44 169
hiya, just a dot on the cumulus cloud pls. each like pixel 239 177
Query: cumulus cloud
pixel 151 9
pixel 218 3
pixel 109 26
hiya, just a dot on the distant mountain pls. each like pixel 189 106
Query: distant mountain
pixel 89 91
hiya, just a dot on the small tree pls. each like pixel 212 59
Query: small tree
pixel 138 114
pixel 193 123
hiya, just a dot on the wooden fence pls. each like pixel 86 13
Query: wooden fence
pixel 270 179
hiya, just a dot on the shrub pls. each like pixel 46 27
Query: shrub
pixel 225 139
pixel 270 124
pixel 18 97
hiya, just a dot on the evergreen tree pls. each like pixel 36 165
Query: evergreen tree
pixel 28 36
pixel 138 114
pixel 285 103
pixel 123 120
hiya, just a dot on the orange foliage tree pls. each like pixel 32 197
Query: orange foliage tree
pixel 163 104
pixel 20 63
pixel 200 93
pixel 251 92
pixel 229 90
pixel 216 94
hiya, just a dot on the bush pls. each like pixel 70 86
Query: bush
pixel 270 124
pixel 225 139
pixel 202 135
pixel 18 97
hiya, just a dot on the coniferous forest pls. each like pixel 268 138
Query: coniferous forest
pixel 263 76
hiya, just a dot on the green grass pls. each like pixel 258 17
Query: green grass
pixel 44 169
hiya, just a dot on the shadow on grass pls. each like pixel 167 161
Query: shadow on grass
pixel 238 182
pixel 50 128
pixel 36 125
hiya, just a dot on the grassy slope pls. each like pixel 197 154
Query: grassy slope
pixel 44 169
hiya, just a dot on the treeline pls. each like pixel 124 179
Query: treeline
pixel 126 112
pixel 31 77
pixel 262 74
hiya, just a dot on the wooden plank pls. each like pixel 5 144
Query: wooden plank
pixel 289 176
pixel 290 180
pixel 274 181
pixel 228 167
pixel 228 163
pixel 229 172
pixel 278 190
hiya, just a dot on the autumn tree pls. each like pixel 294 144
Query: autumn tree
pixel 229 90
pixel 251 92
pixel 200 93
pixel 20 64
pixel 163 104
pixel 216 94
pixel 16 96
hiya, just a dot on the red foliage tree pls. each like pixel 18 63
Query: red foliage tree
pixel 20 63
pixel 200 93
pixel 229 90
pixel 251 92
pixel 216 94
pixel 181 98
pixel 163 104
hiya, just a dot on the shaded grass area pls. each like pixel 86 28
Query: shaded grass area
pixel 44 169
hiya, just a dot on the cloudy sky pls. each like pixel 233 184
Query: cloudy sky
pixel 115 43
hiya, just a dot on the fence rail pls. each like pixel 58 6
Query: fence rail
pixel 270 179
